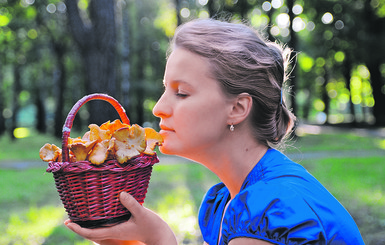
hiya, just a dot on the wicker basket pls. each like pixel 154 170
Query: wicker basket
pixel 90 193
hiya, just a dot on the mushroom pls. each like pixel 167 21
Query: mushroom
pixel 81 150
pixel 153 139
pixel 130 142
pixel 50 153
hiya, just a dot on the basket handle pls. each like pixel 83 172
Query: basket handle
pixel 71 116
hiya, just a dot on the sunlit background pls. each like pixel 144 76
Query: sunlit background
pixel 54 52
pixel 337 71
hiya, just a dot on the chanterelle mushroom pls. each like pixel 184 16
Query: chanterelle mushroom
pixel 130 142
pixel 50 152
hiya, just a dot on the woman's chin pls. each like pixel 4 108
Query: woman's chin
pixel 168 150
pixel 165 150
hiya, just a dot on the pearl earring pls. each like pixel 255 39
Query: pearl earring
pixel 232 128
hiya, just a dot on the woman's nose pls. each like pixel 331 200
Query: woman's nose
pixel 161 109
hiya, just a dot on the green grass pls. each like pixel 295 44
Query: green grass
pixel 334 142
pixel 176 192
pixel 24 148
pixel 31 212
pixel 359 184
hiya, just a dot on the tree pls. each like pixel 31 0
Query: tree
pixel 374 33
pixel 53 20
pixel 96 41
pixel 18 33
pixel 148 45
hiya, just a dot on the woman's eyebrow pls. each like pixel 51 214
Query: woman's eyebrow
pixel 176 82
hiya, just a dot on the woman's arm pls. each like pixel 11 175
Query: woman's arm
pixel 144 225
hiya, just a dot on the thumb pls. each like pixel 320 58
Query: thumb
pixel 130 202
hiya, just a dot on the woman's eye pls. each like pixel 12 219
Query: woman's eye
pixel 182 95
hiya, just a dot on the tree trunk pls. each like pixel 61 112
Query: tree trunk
pixel 59 49
pixel 177 9
pixel 293 44
pixel 211 8
pixel 41 115
pixel 139 86
pixel 60 88
pixel 325 97
pixel 379 97
pixel 125 66
pixel 346 71
pixel 97 43
pixel 243 8
pixel 269 25
pixel 16 92
pixel 374 57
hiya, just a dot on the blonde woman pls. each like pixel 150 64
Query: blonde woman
pixel 223 108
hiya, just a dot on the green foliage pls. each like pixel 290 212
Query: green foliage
pixel 37 45
pixel 305 62
pixel 166 19
pixel 4 20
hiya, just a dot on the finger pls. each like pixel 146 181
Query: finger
pixel 130 202
pixel 91 234
pixel 74 227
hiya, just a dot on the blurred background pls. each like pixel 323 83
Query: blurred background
pixel 54 52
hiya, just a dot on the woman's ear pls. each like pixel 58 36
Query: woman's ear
pixel 241 108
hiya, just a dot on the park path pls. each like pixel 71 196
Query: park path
pixel 298 156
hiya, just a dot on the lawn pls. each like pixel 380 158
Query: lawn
pixel 31 212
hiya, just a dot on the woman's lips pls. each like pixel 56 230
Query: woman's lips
pixel 165 128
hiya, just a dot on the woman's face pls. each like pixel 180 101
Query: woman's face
pixel 193 109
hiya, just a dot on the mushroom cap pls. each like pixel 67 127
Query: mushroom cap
pixel 130 142
pixel 153 139
pixel 49 152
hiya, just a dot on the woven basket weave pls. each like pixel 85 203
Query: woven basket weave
pixel 90 193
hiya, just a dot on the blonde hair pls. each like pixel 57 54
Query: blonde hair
pixel 242 62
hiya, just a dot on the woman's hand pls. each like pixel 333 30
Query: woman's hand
pixel 144 225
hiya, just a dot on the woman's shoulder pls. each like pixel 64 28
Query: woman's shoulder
pixel 217 189
pixel 272 215
pixel 213 197
pixel 276 169
pixel 283 202
pixel 263 195
pixel 283 215
pixel 210 211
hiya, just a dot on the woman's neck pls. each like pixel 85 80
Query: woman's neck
pixel 234 162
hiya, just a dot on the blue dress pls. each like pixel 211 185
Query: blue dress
pixel 279 202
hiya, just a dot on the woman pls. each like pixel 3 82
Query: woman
pixel 223 107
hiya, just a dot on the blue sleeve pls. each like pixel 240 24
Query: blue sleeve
pixel 277 216
pixel 210 212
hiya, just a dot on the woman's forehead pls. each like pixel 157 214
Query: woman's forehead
pixel 182 60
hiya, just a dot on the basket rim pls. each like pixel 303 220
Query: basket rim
pixel 113 165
